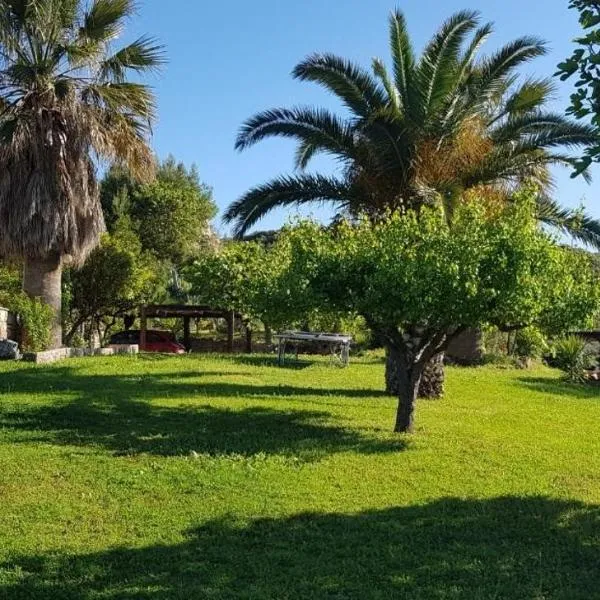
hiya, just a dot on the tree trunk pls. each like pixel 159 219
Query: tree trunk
pixel 42 279
pixel 407 382
pixel 432 379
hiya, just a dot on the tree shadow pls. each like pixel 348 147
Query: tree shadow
pixel 117 413
pixel 265 360
pixel 560 387
pixel 448 549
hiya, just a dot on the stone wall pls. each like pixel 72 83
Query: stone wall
pixel 52 356
pixel 467 349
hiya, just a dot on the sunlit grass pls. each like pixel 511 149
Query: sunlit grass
pixel 216 477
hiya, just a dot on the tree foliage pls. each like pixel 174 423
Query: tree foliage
pixel 34 316
pixel 171 214
pixel 419 281
pixel 66 97
pixel 117 278
pixel 583 65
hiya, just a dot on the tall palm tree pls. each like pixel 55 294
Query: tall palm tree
pixel 65 103
pixel 435 129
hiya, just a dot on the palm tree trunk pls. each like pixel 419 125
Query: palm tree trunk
pixel 42 279
pixel 433 378
pixel 431 382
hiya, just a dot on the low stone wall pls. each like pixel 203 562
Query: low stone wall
pixel 52 356
pixel 467 349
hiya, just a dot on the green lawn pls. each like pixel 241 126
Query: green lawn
pixel 226 478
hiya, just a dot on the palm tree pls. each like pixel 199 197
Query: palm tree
pixel 65 103
pixel 435 129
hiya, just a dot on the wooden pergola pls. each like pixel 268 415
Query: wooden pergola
pixel 187 313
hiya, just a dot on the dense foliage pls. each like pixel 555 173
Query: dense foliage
pixel 34 316
pixel 583 66
pixel 571 355
pixel 235 276
pixel 117 278
pixel 171 215
pixel 419 282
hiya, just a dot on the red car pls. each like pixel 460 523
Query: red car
pixel 156 341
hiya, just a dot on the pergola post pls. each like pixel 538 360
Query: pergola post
pixel 143 329
pixel 186 334
pixel 230 332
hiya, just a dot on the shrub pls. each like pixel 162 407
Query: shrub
pixel 530 343
pixel 572 357
pixel 35 319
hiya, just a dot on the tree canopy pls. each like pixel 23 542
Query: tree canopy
pixel 419 281
pixel 583 66
pixel 171 215
pixel 116 279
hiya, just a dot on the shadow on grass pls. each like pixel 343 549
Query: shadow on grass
pixel 117 414
pixel 560 387
pixel 269 360
pixel 449 549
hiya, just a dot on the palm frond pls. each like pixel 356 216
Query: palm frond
pixel 530 96
pixel 318 128
pixel 284 191
pixel 539 130
pixel 354 86
pixel 402 57
pixel 438 66
pixel 103 21
pixel 144 54
pixel 493 72
pixel 574 223
pixel 381 72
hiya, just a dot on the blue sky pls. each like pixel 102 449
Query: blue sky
pixel 230 59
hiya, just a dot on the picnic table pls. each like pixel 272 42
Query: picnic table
pixel 338 344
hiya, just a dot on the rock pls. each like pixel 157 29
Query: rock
pixel 9 350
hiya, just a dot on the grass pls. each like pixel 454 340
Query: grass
pixel 227 478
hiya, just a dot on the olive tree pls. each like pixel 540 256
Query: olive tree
pixel 419 281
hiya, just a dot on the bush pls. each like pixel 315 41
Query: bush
pixel 530 343
pixel 571 356
pixel 35 319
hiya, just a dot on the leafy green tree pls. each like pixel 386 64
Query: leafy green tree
pixel 583 65
pixel 65 99
pixel 231 278
pixel 423 132
pixel 434 129
pixel 171 215
pixel 247 277
pixel 420 282
pixel 116 279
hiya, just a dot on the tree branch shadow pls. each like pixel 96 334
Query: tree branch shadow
pixel 508 547
pixel 119 414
